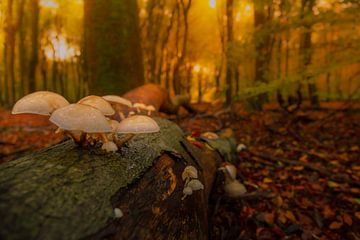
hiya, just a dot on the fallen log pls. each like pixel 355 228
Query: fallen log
pixel 69 192
pixel 154 94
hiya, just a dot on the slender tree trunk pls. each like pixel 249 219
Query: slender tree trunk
pixel 35 13
pixel 263 47
pixel 22 48
pixel 230 38
pixel 113 56
pixel 200 87
pixel 306 50
pixel 180 59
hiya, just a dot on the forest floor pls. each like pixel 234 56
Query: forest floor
pixel 307 164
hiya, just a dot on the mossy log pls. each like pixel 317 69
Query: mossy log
pixel 69 192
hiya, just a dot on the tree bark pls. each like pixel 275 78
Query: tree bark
pixel 230 38
pixel 306 50
pixel 68 192
pixel 112 51
pixel 35 13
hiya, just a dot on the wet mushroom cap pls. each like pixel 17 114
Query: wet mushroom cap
pixel 99 103
pixel 189 172
pixel 82 118
pixel 117 99
pixel 138 124
pixel 41 102
pixel 140 105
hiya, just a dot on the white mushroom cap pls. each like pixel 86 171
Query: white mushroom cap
pixel 230 169
pixel 189 172
pixel 99 103
pixel 187 191
pixel 138 124
pixel 210 135
pixel 195 185
pixel 109 147
pixel 234 189
pixel 140 105
pixel 117 99
pixel 118 213
pixel 41 102
pixel 150 108
pixel 240 147
pixel 80 117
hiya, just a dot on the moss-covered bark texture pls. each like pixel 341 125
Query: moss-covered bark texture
pixel 113 57
pixel 68 192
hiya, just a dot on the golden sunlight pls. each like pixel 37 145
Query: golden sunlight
pixel 58 48
pixel 212 3
pixel 49 4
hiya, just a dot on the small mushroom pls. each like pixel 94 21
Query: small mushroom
pixel 234 189
pixel 131 113
pixel 150 108
pixel 138 124
pixel 109 146
pixel 139 106
pixel 78 117
pixel 240 147
pixel 117 99
pixel 134 125
pixel 210 135
pixel 189 172
pixel 41 102
pixel 118 213
pixel 187 191
pixel 195 185
pixel 229 170
pixel 98 103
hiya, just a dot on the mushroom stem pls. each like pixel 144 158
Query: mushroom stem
pixel 149 112
pixel 122 116
pixel 104 138
pixel 122 141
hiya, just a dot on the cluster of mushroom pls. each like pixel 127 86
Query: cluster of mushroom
pixel 86 121
pixel 233 188
pixel 190 176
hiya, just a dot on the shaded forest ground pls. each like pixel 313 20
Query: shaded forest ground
pixel 307 164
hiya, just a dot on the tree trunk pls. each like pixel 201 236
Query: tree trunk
pixel 180 59
pixel 263 47
pixel 306 50
pixel 68 192
pixel 35 15
pixel 112 54
pixel 9 49
pixel 230 38
pixel 22 49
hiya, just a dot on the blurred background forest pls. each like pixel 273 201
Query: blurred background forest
pixel 211 49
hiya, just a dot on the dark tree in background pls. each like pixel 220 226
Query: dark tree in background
pixel 112 51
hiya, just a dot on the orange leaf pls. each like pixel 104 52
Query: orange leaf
pixel 327 212
pixel 347 219
pixel 282 217
pixel 267 180
pixel 278 201
pixel 335 225
pixel 269 217
pixel 290 216
pixel 357 214
pixel 298 168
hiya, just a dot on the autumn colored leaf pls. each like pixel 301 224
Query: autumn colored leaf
pixel 335 225
pixel 289 215
pixel 328 212
pixel 357 214
pixel 282 217
pixel 347 219
pixel 298 168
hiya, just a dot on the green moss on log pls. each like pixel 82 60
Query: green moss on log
pixel 64 192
